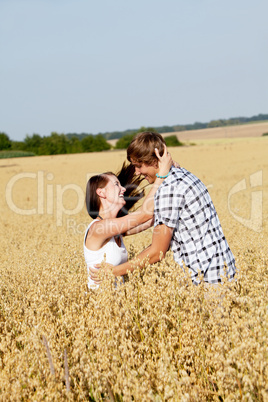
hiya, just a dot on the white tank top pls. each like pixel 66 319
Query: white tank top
pixel 114 255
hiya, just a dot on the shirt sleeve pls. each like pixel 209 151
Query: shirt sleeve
pixel 168 203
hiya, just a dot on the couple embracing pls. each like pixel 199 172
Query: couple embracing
pixel 178 205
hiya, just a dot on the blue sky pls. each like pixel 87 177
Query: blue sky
pixel 87 66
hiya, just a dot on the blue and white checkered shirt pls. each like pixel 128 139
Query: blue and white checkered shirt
pixel 182 202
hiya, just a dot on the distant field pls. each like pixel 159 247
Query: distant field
pixel 14 154
pixel 157 337
pixel 243 130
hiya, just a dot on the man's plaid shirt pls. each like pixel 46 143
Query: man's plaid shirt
pixel 182 202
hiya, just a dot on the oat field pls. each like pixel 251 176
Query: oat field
pixel 154 338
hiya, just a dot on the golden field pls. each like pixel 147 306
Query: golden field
pixel 154 338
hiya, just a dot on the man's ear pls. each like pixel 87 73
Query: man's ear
pixel 100 192
pixel 156 164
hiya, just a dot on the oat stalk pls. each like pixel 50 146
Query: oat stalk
pixel 52 369
pixel 66 372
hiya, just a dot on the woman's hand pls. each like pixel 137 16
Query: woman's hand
pixel 94 273
pixel 165 161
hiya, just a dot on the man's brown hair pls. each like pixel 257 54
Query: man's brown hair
pixel 142 148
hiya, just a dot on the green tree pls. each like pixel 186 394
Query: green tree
pixel 54 145
pixel 33 143
pixel 18 146
pixel 216 123
pixel 74 145
pixel 142 129
pixel 5 142
pixel 87 143
pixel 100 143
pixel 94 143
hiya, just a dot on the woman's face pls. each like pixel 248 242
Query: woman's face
pixel 114 192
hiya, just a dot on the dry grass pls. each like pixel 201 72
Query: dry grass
pixel 156 337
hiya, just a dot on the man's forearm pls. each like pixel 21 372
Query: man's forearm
pixel 162 235
pixel 148 255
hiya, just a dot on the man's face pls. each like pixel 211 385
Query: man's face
pixel 147 171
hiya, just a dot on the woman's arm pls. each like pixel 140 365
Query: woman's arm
pixel 114 226
pixel 140 228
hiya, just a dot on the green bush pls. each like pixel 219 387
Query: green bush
pixel 264 134
pixel 172 141
pixel 124 142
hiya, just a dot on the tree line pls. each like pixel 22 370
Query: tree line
pixel 55 144
pixel 182 127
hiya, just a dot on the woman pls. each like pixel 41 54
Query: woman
pixel 106 204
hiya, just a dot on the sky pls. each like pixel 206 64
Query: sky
pixel 88 66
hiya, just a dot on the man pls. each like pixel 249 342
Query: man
pixel 185 219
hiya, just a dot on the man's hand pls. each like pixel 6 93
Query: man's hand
pixel 94 273
pixel 164 161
